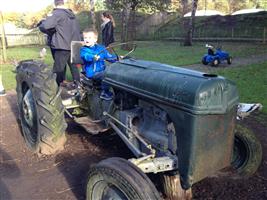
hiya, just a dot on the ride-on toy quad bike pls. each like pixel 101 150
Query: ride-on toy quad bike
pixel 216 56
pixel 178 123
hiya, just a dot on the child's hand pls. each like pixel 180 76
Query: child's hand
pixel 96 57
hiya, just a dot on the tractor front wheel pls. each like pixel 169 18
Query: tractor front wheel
pixel 117 178
pixel 215 62
pixel 204 62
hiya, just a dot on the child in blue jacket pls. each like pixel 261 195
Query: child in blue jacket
pixel 94 56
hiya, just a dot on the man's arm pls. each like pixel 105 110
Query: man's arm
pixel 49 23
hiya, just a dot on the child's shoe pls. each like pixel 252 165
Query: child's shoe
pixel 106 96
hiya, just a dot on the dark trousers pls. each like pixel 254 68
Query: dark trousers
pixel 99 76
pixel 61 59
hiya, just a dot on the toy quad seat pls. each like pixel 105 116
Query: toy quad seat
pixel 211 52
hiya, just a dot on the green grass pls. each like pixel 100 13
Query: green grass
pixel 251 80
pixel 16 54
pixel 175 54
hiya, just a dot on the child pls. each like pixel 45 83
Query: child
pixel 94 56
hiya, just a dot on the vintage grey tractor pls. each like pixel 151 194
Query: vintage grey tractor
pixel 178 123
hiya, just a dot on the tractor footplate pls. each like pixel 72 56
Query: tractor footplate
pixel 90 126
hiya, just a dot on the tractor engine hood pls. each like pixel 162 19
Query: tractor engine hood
pixel 191 91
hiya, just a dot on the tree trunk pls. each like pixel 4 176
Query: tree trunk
pixel 125 25
pixel 185 9
pixel 92 13
pixel 190 27
pixel 132 26
pixel 173 190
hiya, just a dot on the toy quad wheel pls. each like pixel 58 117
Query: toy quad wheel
pixel 215 62
pixel 229 60
pixel 204 62
pixel 247 153
pixel 117 178
pixel 41 112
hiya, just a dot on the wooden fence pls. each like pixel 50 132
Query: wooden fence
pixel 255 34
pixel 25 39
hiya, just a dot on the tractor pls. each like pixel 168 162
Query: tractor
pixel 216 56
pixel 178 123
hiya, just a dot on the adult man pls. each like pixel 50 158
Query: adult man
pixel 62 28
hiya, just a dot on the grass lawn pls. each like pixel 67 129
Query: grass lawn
pixel 251 80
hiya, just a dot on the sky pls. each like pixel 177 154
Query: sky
pixel 23 5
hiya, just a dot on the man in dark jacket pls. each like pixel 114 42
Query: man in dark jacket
pixel 64 28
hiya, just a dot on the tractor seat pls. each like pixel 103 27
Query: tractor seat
pixel 96 83
pixel 75 57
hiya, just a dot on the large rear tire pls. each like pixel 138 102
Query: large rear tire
pixel 41 112
pixel 117 178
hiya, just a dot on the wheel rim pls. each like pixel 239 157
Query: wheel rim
pixel 106 191
pixel 216 62
pixel 27 108
pixel 29 115
pixel 240 154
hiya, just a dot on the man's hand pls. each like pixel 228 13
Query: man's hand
pixel 96 58
pixel 40 22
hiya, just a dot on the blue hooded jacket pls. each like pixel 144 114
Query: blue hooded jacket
pixel 91 66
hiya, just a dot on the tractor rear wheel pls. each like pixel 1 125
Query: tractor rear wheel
pixel 117 178
pixel 41 112
pixel 229 60
pixel 247 153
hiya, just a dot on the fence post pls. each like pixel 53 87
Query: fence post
pixel 232 32
pixel 264 35
pixel 3 36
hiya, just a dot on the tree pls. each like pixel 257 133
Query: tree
pixel 189 24
pixel 92 13
pixel 236 5
pixel 128 10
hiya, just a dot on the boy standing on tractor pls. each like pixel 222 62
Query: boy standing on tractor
pixel 94 56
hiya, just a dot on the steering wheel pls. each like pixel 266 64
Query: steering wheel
pixel 115 52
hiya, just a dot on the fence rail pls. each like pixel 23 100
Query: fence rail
pixel 223 39
pixel 255 34
pixel 25 39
